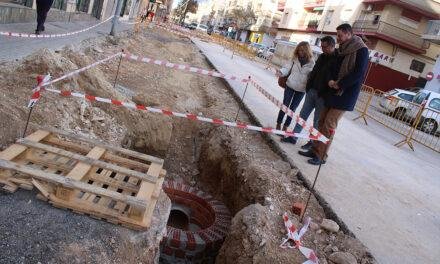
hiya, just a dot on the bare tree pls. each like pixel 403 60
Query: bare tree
pixel 184 7
pixel 241 18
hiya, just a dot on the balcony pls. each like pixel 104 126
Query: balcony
pixel 312 4
pixel 391 33
pixel 433 32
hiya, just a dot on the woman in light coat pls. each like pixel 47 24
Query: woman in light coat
pixel 300 67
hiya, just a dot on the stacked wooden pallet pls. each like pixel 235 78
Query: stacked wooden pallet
pixel 89 177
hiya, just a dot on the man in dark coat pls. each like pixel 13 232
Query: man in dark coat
pixel 347 77
pixel 43 7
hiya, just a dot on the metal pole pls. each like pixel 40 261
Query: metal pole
pixel 314 182
pixel 115 18
pixel 27 121
pixel 242 98
pixel 117 71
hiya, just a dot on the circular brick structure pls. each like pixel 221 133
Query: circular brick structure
pixel 200 236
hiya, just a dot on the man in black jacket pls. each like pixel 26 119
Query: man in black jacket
pixel 43 7
pixel 317 87
pixel 347 76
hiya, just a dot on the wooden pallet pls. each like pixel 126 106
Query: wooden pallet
pixel 89 177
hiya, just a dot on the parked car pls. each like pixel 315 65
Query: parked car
pixel 202 27
pixel 257 47
pixel 397 102
pixel 267 53
pixel 192 26
pixel 430 117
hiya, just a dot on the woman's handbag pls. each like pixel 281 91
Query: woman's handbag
pixel 282 81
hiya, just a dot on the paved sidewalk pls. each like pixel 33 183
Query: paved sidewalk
pixel 388 197
pixel 16 48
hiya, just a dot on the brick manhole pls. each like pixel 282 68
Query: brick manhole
pixel 196 228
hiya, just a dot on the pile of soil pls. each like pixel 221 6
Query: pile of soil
pixel 235 166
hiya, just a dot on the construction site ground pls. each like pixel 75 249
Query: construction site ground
pixel 387 196
pixel 236 166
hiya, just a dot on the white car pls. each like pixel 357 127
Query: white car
pixel 430 118
pixel 202 27
pixel 397 102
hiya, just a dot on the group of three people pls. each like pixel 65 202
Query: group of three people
pixel 331 87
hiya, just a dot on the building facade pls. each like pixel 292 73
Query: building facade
pixel 393 30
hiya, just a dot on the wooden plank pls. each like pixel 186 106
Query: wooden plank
pixel 127 152
pixel 98 211
pixel 107 156
pixel 78 172
pixel 146 190
pixel 15 150
pixel 89 160
pixel 41 188
pixel 74 184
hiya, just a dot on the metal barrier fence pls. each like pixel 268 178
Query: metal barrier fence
pixel 413 121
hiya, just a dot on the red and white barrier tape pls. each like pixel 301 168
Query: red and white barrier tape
pixel 177 114
pixel 294 236
pixel 27 35
pixel 36 94
pixel 290 113
pixel 78 71
pixel 183 67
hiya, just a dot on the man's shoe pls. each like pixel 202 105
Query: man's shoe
pixel 308 154
pixel 37 32
pixel 291 140
pixel 316 161
pixel 308 145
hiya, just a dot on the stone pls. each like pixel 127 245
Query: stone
pixel 335 249
pixel 330 225
pixel 342 258
pixel 314 226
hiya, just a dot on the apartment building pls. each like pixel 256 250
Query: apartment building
pixel 400 56
pixel 262 31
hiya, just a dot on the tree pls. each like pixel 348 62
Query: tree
pixel 186 6
pixel 241 18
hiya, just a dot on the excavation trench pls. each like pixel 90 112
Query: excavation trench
pixel 227 187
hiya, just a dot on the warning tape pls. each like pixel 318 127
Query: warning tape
pixel 183 67
pixel 75 72
pixel 177 114
pixel 27 35
pixel 295 236
pixel 290 113
pixel 36 94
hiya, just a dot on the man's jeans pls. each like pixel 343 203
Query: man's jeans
pixel 312 101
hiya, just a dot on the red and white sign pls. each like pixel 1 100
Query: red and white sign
pixel 379 57
pixel 430 76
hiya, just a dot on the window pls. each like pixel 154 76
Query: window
pixel 435 104
pixel 420 97
pixel 417 66
pixel 406 97
pixel 328 17
pixel 376 19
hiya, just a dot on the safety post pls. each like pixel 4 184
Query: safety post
pixel 410 134
pixel 34 99
pixel 317 175
pixel 117 71
pixel 242 98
